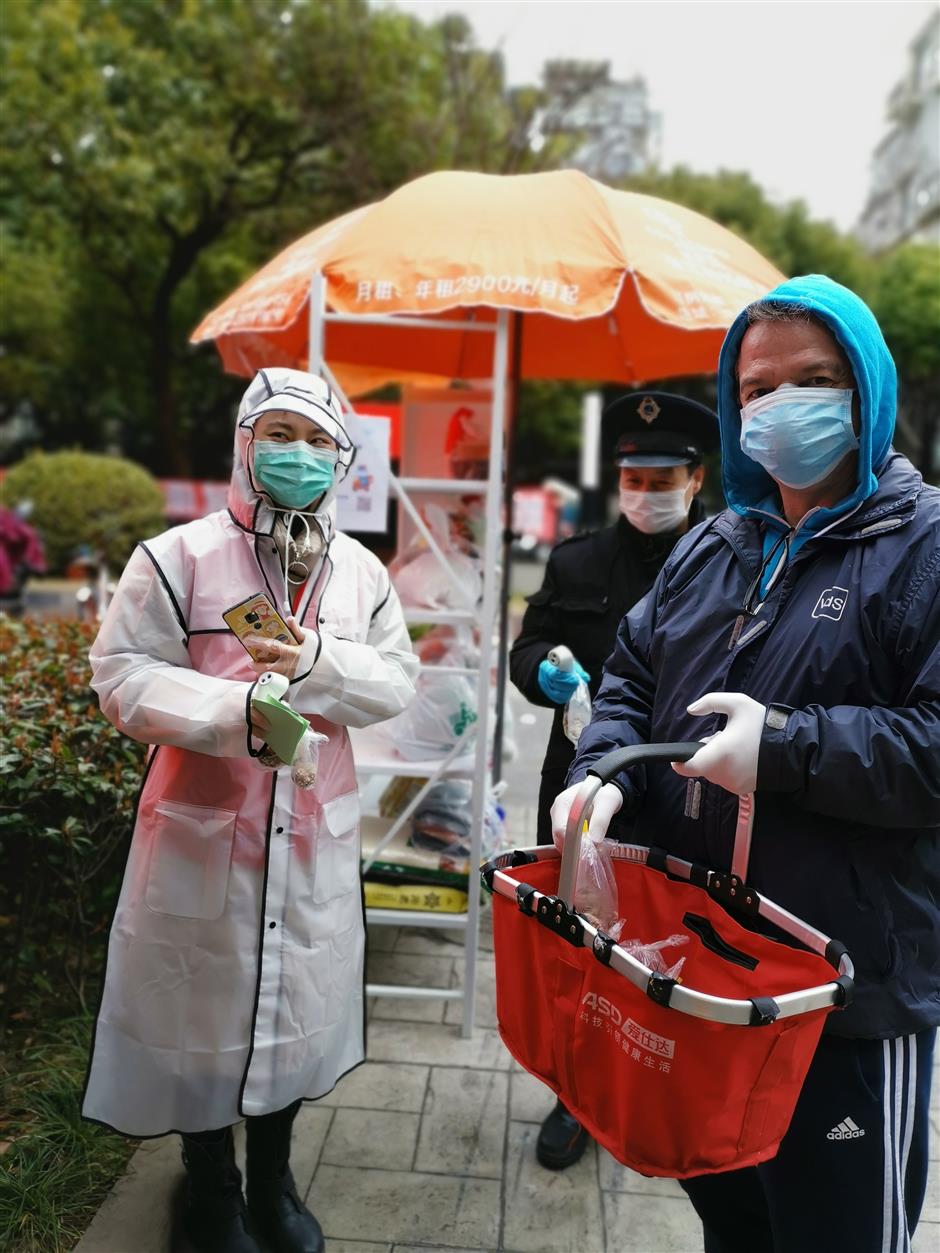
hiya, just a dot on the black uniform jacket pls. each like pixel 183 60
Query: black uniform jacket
pixel 590 583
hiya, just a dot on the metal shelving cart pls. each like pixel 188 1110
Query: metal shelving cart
pixel 470 757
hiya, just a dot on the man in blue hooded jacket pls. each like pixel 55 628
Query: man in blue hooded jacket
pixel 799 632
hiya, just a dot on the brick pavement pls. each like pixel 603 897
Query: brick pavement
pixel 430 1144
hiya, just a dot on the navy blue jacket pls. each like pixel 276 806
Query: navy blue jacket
pixel 846 648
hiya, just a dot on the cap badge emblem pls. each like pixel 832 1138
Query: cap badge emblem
pixel 648 409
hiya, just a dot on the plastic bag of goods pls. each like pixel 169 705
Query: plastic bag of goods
pixel 442 709
pixel 595 894
pixel 422 582
pixel 443 822
pixel 444 705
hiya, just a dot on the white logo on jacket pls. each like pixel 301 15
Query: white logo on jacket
pixel 831 603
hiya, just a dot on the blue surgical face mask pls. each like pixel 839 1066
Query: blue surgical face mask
pixel 294 474
pixel 799 434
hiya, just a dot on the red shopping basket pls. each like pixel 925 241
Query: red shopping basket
pixel 673 1078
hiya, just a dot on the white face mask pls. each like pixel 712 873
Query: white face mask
pixel 656 512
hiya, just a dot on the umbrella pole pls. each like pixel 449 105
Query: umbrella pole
pixel 487 618
pixel 315 329
pixel 502 656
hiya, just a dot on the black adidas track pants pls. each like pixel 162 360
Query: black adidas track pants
pixel 851 1172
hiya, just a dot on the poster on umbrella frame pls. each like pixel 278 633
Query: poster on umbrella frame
pixel 362 497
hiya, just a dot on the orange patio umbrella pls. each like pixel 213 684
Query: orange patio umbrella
pixel 615 286
pixel 601 285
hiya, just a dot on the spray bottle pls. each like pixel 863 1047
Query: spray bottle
pixel 578 708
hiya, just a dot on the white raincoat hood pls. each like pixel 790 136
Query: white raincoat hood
pixel 291 391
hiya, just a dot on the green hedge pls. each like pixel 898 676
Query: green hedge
pixel 68 785
pixel 80 499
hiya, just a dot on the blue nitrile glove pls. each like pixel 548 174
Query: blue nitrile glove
pixel 558 685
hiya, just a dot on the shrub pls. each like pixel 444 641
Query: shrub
pixel 68 787
pixel 79 498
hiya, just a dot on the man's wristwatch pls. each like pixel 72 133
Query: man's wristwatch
pixel 776 717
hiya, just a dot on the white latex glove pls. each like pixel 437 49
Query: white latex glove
pixel 268 654
pixel 607 802
pixel 730 756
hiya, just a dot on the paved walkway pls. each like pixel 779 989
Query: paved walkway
pixel 430 1144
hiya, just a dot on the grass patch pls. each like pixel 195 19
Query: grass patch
pixel 57 1168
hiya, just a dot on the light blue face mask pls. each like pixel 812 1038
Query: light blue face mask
pixel 799 434
pixel 295 474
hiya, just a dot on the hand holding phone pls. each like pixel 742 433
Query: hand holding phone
pixel 256 624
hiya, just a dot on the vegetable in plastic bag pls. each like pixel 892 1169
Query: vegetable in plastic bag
pixel 595 895
pixel 306 763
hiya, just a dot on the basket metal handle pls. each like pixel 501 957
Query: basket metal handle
pixel 612 764
pixel 600 773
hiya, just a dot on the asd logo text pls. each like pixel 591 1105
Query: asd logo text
pixel 831 603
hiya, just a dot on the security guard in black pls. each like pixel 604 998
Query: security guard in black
pixel 592 580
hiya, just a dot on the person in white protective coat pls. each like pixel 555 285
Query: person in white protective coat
pixel 234 981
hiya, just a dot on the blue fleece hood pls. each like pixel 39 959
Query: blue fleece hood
pixel 746 484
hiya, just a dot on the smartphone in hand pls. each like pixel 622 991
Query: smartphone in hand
pixel 255 621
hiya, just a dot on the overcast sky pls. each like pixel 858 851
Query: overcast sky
pixel 792 92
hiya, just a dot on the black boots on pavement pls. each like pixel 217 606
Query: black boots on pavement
pixel 282 1221
pixel 215 1218
pixel 562 1140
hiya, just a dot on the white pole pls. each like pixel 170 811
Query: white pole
pixel 315 328
pixel 487 626
pixel 591 440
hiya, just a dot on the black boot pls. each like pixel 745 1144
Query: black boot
pixel 562 1140
pixel 214 1217
pixel 281 1219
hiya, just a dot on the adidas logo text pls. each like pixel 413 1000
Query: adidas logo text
pixel 846 1130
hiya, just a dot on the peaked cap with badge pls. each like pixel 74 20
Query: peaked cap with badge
pixel 660 429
